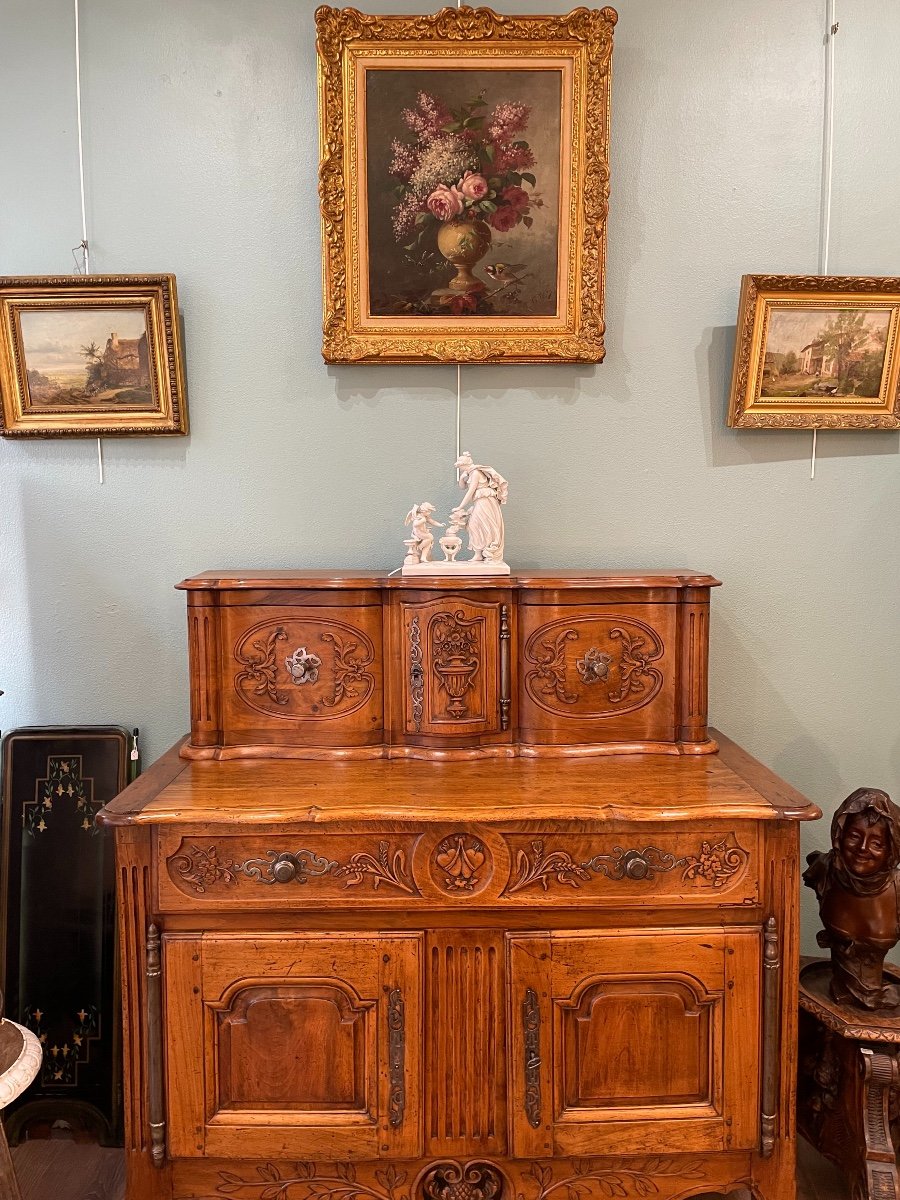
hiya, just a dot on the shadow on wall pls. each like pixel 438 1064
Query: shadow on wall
pixel 354 385
pixel 735 447
pixel 804 760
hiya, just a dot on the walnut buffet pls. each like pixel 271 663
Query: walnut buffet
pixel 451 895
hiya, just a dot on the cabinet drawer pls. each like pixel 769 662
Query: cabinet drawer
pixel 598 673
pixel 467 866
pixel 302 675
pixel 635 866
pixel 250 871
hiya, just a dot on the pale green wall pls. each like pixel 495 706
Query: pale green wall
pixel 201 152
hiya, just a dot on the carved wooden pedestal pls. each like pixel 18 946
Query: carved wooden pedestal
pixel 542 965
pixel 849 1086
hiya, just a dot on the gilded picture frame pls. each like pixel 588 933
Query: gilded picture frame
pixel 817 352
pixel 91 356
pixel 491 131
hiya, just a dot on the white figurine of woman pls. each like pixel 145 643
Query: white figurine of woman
pixel 485 490
pixel 420 544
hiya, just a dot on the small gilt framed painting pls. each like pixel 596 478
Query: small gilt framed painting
pixel 464 183
pixel 817 352
pixel 90 356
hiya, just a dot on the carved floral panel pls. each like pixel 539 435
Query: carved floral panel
pixel 304 869
pixel 704 867
pixel 451 681
pixel 481 1178
pixel 594 667
pixel 308 667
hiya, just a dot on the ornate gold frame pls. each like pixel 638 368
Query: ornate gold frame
pixel 748 409
pixel 157 293
pixel 582 38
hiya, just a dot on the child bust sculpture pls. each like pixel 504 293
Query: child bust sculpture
pixel 858 886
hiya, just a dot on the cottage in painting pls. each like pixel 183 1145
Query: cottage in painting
pixel 124 362
pixel 822 358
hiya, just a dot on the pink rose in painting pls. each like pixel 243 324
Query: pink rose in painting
pixel 504 218
pixel 445 203
pixel 516 197
pixel 473 186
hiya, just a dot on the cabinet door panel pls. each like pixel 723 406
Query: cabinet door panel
pixel 451 667
pixel 635 1042
pixel 597 673
pixel 308 1045
pixel 302 676
pixel 259 1032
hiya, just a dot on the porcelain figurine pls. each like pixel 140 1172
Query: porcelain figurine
pixel 419 546
pixel 858 886
pixel 479 513
pixel 451 542
pixel 485 490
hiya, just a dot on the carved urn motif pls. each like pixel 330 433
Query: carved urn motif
pixel 455 643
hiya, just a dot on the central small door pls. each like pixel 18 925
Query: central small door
pixel 634 1042
pixel 293 1047
pixel 455 667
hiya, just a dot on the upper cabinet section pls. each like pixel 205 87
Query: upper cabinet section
pixel 354 664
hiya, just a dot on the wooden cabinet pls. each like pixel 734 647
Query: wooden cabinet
pixel 306 664
pixel 506 956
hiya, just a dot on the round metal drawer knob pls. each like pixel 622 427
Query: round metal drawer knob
pixel 637 867
pixel 284 871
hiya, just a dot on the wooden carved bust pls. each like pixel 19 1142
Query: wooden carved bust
pixel 858 886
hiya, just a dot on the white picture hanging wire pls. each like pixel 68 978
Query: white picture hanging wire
pixel 84 246
pixel 831 28
pixel 458 385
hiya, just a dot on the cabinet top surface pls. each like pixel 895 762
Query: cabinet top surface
pixel 645 788
pixel 536 579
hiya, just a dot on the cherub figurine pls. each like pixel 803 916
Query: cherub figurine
pixel 858 886
pixel 418 547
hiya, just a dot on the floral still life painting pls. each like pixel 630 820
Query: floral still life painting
pixel 465 204
pixel 89 355
pixel 817 352
pixel 464 185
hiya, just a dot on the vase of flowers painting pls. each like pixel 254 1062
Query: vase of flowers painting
pixel 464 182
pixel 463 175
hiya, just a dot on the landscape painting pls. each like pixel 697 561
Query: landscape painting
pixel 463 192
pixel 86 356
pixel 817 352
pixel 90 356
pixel 836 353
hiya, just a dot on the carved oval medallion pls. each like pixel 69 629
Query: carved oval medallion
pixel 593 666
pixel 314 668
pixel 461 864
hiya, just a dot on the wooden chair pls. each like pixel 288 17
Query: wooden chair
pixel 20 1061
